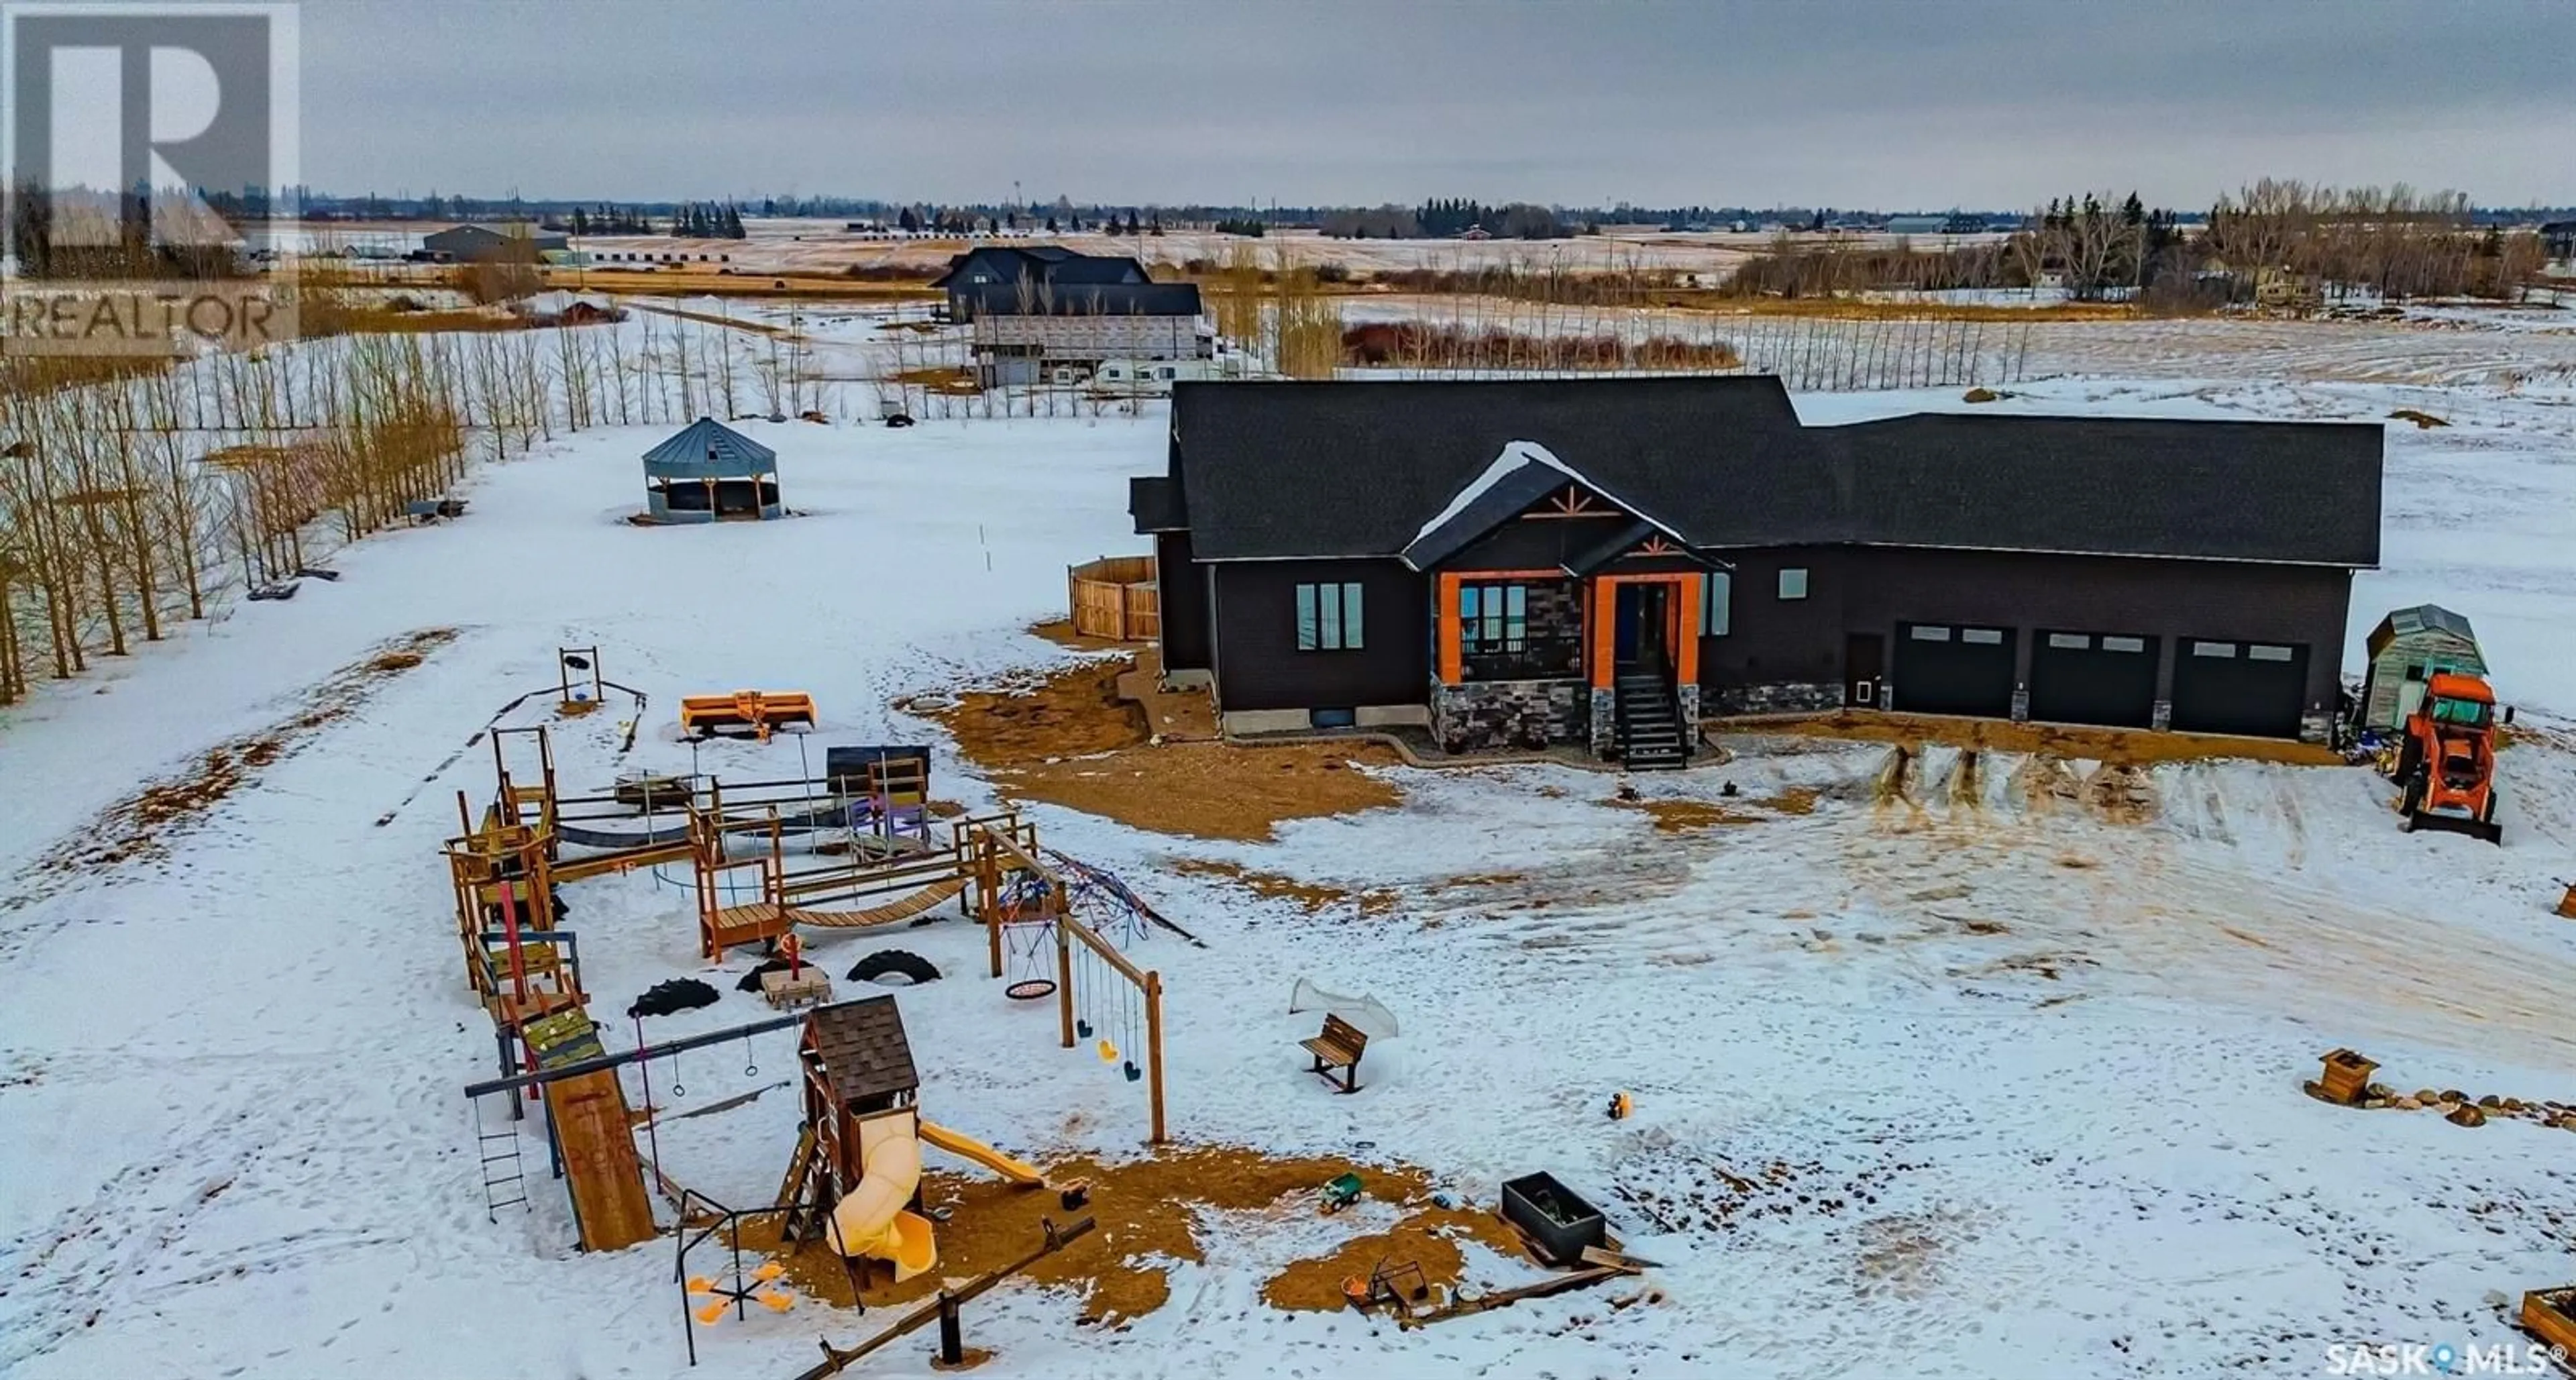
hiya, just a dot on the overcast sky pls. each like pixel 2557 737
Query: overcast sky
pixel 1889 104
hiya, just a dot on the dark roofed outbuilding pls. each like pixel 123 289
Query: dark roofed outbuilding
pixel 708 471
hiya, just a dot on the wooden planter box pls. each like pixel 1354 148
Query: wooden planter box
pixel 1561 1223
pixel 2549 1315
pixel 2347 1077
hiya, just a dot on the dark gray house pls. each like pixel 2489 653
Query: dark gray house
pixel 1606 561
pixel 1011 275
pixel 467 244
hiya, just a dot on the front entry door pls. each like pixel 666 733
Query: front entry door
pixel 1864 664
pixel 1640 626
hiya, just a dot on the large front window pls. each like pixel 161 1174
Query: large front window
pixel 1519 630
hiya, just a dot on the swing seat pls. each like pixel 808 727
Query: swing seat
pixel 1133 1073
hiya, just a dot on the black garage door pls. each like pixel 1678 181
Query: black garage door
pixel 2093 678
pixel 1947 669
pixel 2253 688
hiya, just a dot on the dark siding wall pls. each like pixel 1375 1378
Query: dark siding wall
pixel 1872 589
pixel 1775 640
pixel 1257 662
pixel 1536 543
pixel 1183 587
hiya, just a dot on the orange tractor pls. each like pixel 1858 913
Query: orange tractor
pixel 2444 764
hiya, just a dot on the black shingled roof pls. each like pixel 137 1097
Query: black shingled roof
pixel 1283 470
pixel 1060 298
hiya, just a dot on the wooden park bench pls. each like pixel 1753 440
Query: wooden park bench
pixel 1338 1047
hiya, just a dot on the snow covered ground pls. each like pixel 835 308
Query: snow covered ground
pixel 2011 1085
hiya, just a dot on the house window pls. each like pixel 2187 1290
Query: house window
pixel 1493 620
pixel 1716 594
pixel 1328 618
pixel 1793 582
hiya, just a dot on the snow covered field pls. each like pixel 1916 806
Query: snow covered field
pixel 2011 1084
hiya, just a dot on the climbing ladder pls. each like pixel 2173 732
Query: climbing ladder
pixel 801 1221
pixel 505 1181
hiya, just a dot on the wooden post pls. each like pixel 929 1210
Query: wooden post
pixel 988 909
pixel 1064 981
pixel 1154 1047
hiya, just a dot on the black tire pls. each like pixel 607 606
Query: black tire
pixel 885 963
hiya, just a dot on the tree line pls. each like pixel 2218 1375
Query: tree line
pixel 699 220
pixel 2274 242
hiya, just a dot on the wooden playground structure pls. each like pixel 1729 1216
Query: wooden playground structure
pixel 867 856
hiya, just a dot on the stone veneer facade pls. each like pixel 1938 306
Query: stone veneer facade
pixel 1486 716
pixel 1784 697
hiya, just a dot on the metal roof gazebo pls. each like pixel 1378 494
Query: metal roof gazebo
pixel 710 472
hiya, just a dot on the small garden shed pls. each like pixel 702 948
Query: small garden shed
pixel 2406 648
pixel 711 472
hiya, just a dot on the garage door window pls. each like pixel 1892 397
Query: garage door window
pixel 2259 652
pixel 2070 642
pixel 2218 649
pixel 2124 644
pixel 1987 637
pixel 1921 633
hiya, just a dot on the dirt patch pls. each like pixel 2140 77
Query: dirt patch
pixel 1314 896
pixel 1068 738
pixel 2114 746
pixel 1796 800
pixel 1216 791
pixel 2422 420
pixel 2121 794
pixel 954 381
pixel 1037 718
pixel 135 828
pixel 1060 632
pixel 1683 816
pixel 1147 1211
pixel 1428 1238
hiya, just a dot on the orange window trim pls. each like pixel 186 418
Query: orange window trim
pixel 1453 667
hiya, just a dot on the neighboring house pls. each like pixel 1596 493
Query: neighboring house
pixel 1064 333
pixel 1918 225
pixel 2406 650
pixel 991 273
pixel 2558 237
pixel 467 244
pixel 568 309
pixel 1507 563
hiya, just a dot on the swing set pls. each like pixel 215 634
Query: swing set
pixel 1101 995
